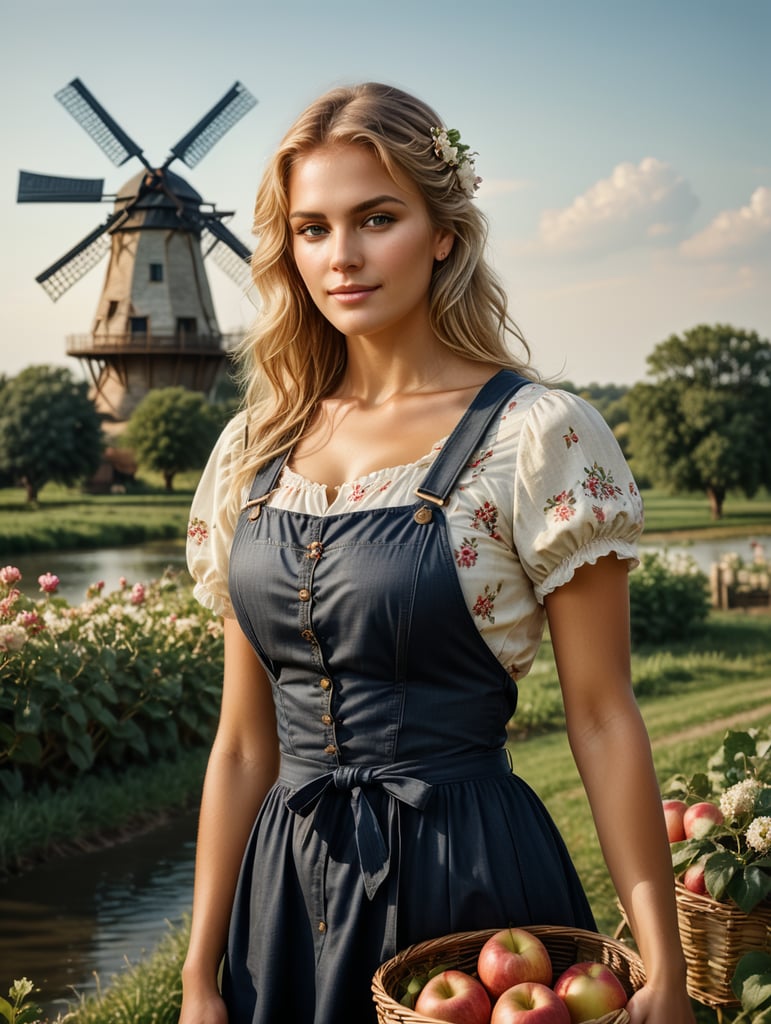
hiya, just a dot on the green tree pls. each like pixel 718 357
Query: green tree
pixel 703 424
pixel 49 429
pixel 173 429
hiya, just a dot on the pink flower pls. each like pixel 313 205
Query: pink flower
pixel 6 605
pixel 123 582
pixel 95 589
pixel 49 583
pixel 10 574
pixel 137 594
pixel 31 621
pixel 466 554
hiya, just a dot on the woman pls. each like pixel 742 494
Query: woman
pixel 384 528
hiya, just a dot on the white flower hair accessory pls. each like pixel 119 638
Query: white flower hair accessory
pixel 454 153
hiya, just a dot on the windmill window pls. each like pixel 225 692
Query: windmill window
pixel 186 326
pixel 138 324
pixel 156 271
pixel 112 309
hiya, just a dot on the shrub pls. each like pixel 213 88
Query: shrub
pixel 669 599
pixel 123 678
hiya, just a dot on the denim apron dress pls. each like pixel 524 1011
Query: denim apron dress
pixel 396 816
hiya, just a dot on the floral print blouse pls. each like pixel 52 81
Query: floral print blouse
pixel 547 491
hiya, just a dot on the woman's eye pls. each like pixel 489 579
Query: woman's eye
pixel 312 230
pixel 378 220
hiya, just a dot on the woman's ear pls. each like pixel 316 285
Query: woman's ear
pixel 443 245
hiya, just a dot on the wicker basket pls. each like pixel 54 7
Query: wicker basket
pixel 715 935
pixel 566 946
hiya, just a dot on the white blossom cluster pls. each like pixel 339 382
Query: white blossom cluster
pixel 740 799
pixel 454 153
pixel 758 834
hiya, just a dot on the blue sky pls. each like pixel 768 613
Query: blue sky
pixel 625 147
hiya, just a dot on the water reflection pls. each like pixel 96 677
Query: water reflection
pixel 77 570
pixel 91 913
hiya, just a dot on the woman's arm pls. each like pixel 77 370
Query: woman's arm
pixel 589 626
pixel 242 767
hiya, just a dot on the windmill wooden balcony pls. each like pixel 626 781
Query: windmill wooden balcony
pixel 98 346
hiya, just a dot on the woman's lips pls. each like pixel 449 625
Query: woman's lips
pixel 354 293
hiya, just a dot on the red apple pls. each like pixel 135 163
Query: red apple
pixel 511 956
pixel 529 1003
pixel 693 879
pixel 673 815
pixel 590 990
pixel 700 818
pixel 456 997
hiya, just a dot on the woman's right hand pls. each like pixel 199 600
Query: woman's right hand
pixel 203 1008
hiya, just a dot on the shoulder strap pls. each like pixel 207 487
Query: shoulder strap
pixel 265 480
pixel 448 465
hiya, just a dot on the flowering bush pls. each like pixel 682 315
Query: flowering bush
pixel 123 677
pixel 747 576
pixel 736 853
pixel 669 598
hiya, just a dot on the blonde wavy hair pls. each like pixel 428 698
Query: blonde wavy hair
pixel 293 356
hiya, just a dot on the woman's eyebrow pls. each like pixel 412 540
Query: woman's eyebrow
pixel 368 204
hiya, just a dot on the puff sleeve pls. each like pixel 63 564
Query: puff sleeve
pixel 213 518
pixel 575 499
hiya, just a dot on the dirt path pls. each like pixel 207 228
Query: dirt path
pixel 695 732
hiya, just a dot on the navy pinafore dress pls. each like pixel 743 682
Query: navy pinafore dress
pixel 396 817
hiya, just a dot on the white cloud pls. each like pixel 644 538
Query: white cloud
pixel 491 188
pixel 742 232
pixel 638 203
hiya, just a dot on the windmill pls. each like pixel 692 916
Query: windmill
pixel 155 324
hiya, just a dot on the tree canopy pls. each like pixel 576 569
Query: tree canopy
pixel 172 430
pixel 702 424
pixel 49 429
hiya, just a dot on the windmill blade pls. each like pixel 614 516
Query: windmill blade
pixel 47 188
pixel 194 146
pixel 91 115
pixel 227 251
pixel 68 270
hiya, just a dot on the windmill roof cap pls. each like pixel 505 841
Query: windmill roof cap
pixel 181 189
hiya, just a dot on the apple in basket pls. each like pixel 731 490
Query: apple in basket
pixel 673 815
pixel 529 1003
pixel 456 997
pixel 511 956
pixel 590 990
pixel 693 879
pixel 701 818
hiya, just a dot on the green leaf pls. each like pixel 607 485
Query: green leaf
pixel 753 963
pixel 756 992
pixel 719 870
pixel 763 802
pixel 701 786
pixel 750 888
pixel 28 750
pixel 6 1010
pixel 687 851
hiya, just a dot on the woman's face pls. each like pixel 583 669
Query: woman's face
pixel 363 243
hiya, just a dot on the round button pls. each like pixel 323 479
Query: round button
pixel 304 594
pixel 325 683
pixel 331 749
pixel 326 719
pixel 423 515
pixel 307 634
pixel 322 926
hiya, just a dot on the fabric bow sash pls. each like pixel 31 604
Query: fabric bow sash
pixel 374 852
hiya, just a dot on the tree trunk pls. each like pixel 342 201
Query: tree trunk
pixel 716 497
pixel 168 479
pixel 30 489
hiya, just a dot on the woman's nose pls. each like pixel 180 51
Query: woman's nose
pixel 346 251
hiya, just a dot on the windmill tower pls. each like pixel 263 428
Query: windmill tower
pixel 155 324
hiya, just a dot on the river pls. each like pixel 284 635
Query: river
pixel 71 924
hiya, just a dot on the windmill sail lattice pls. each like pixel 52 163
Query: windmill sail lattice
pixel 155 323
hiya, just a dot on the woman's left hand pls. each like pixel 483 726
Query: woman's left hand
pixel 660 1006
